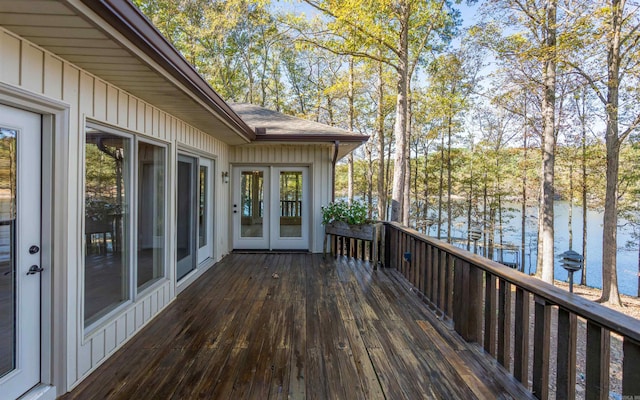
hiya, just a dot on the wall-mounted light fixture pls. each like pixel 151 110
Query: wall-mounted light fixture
pixel 225 177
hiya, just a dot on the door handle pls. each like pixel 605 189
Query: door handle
pixel 34 270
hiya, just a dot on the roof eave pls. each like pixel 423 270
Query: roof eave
pixel 129 21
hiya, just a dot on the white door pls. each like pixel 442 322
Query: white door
pixel 290 208
pixel 250 208
pixel 270 208
pixel 205 209
pixel 20 170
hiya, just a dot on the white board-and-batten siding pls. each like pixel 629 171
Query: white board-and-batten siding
pixel 318 157
pixel 89 98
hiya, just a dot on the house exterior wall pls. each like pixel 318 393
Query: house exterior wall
pixel 88 98
pixel 319 160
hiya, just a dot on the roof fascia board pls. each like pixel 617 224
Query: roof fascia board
pixel 135 32
pixel 309 138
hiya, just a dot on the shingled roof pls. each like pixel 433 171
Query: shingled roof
pixel 272 126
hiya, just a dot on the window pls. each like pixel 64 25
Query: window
pixel 125 182
pixel 107 222
pixel 151 213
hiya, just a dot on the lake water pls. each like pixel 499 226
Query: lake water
pixel 627 258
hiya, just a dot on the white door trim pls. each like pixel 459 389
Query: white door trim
pixel 55 290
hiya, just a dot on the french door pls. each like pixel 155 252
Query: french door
pixel 20 202
pixel 271 208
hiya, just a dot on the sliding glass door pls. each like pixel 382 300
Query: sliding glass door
pixel 194 241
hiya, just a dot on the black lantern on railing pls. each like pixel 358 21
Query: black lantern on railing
pixel 572 262
pixel 475 234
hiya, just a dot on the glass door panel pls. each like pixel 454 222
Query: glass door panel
pixel 7 256
pixel 290 231
pixel 20 204
pixel 205 209
pixel 250 216
pixel 290 204
pixel 252 203
pixel 186 209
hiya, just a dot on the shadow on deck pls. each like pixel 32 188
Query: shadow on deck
pixel 319 329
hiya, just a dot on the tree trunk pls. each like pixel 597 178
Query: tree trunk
pixel 583 123
pixel 382 191
pixel 523 221
pixel 351 128
pixel 570 213
pixel 449 122
pixel 400 128
pixel 406 201
pixel 440 186
pixel 610 293
pixel 369 174
pixel 548 152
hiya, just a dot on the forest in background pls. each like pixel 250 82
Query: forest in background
pixel 535 101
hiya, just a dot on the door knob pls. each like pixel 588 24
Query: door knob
pixel 34 270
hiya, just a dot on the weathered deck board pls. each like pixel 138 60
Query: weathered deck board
pixel 324 329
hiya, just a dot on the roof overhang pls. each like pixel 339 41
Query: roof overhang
pixel 346 144
pixel 114 41
pixel 273 127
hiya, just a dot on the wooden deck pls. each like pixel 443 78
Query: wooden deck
pixel 319 329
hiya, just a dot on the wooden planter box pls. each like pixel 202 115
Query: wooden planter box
pixel 339 228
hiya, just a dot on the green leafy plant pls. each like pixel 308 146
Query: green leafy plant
pixel 354 214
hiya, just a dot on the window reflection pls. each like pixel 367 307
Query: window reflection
pixel 290 204
pixel 202 208
pixel 7 243
pixel 252 203
pixel 107 166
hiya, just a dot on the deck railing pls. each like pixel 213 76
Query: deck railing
pixel 516 318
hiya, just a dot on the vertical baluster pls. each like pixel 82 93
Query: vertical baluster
pixel 475 304
pixel 415 260
pixel 541 348
pixel 449 284
pixel 420 265
pixel 504 323
pixel 521 339
pixel 428 279
pixel 387 251
pixel 631 368
pixel 490 304
pixel 598 351
pixel 393 253
pixel 459 311
pixel 566 367
pixel 442 279
pixel 435 277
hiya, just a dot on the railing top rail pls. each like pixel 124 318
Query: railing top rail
pixel 604 316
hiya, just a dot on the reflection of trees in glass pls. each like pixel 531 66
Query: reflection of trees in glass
pixel 104 185
pixel 8 173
